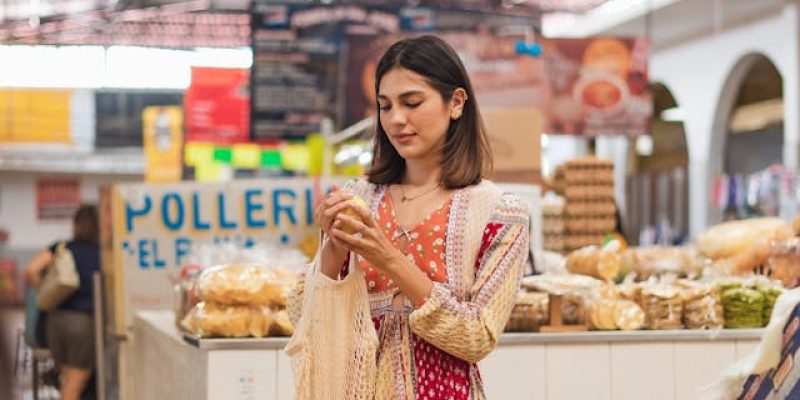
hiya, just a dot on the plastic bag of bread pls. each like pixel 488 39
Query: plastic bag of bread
pixel 281 324
pixel 744 308
pixel 649 261
pixel 595 262
pixel 561 284
pixel 216 320
pixel 748 260
pixel 244 284
pixel 577 292
pixel 734 237
pixel 531 310
pixel 611 314
pixel 662 306
pixel 784 262
pixel 702 306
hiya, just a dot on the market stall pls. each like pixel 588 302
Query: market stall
pixel 596 365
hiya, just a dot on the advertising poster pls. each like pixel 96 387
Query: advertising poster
pixel 500 76
pixel 217 105
pixel 57 199
pixel 163 143
pixel 585 87
pixel 599 86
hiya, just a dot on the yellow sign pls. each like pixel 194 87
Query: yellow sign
pixel 163 143
pixel 35 116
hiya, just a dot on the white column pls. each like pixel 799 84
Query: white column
pixel 791 90
pixel 615 148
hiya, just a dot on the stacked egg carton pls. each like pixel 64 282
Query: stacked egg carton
pixel 553 227
pixel 588 186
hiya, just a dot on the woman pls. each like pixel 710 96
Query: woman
pixel 443 249
pixel 70 328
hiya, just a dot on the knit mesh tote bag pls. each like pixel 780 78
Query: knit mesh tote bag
pixel 334 346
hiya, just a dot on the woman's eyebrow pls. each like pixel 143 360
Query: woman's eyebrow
pixel 402 95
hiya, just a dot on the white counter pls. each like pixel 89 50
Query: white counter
pixel 587 365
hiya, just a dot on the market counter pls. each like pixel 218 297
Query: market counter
pixel 593 365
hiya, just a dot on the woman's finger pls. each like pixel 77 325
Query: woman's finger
pixel 344 239
pixel 352 242
pixel 336 209
pixel 337 197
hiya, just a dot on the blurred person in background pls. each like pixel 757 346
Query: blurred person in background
pixel 70 328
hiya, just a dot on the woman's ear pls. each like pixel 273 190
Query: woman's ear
pixel 457 103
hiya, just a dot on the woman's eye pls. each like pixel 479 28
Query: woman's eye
pixel 413 105
pixel 384 108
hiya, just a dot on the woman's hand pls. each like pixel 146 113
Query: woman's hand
pixel 368 239
pixel 333 204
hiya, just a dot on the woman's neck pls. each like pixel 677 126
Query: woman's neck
pixel 422 173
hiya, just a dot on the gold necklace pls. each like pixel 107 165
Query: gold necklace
pixel 404 198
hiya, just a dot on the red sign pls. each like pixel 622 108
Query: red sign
pixel 57 198
pixel 217 106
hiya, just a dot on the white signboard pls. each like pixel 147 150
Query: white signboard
pixel 155 227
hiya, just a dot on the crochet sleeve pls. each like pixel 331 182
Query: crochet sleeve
pixel 469 329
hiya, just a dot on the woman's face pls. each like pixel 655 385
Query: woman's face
pixel 414 115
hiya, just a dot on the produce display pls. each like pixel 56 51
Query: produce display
pixel 731 279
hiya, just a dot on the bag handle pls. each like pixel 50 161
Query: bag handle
pixel 62 245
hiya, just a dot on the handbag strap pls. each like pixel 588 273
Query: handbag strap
pixel 61 246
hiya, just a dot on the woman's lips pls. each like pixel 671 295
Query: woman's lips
pixel 404 138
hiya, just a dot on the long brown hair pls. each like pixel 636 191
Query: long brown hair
pixel 85 226
pixel 466 156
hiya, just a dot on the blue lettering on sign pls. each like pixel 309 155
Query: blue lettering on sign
pixel 278 208
pixel 223 223
pixel 173 222
pixel 198 224
pixel 131 213
pixel 183 246
pixel 144 255
pixel 309 207
pixel 250 207
pixel 158 262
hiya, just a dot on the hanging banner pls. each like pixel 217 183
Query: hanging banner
pixel 163 143
pixel 156 226
pixel 217 105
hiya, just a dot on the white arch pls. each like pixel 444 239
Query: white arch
pixel 704 75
